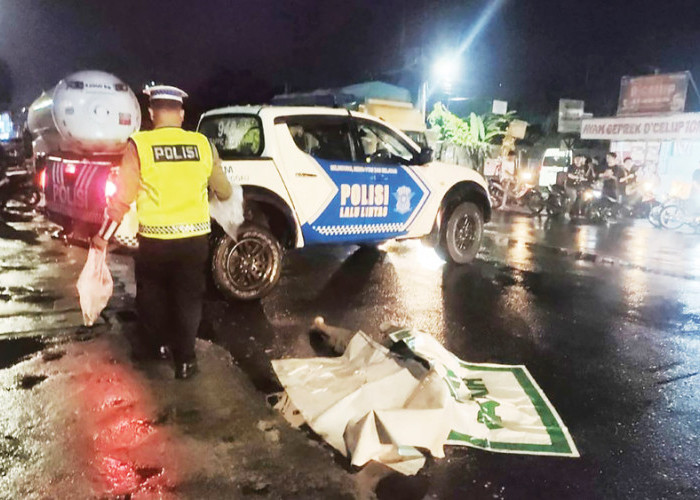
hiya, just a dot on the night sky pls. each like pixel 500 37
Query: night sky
pixel 532 52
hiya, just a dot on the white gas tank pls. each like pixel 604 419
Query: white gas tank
pixel 87 112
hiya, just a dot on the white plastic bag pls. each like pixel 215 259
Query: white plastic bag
pixel 94 285
pixel 228 213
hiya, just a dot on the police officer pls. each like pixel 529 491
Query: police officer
pixel 167 172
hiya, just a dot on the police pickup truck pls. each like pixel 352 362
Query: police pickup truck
pixel 313 175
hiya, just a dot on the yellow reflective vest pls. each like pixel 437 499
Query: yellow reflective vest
pixel 175 165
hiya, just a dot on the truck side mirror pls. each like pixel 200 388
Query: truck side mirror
pixel 425 155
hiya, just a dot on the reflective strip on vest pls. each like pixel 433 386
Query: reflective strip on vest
pixel 180 229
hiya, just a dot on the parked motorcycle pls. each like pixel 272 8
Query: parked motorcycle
pixel 601 208
pixel 556 199
pixel 520 191
pixel 675 215
pixel 19 186
pixel 654 216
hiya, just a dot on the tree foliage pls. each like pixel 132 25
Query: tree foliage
pixel 475 133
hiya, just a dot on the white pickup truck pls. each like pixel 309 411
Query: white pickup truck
pixel 313 175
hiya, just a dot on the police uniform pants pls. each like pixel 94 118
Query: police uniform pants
pixel 170 283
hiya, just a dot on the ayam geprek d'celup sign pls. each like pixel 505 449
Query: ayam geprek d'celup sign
pixel 643 128
pixel 653 94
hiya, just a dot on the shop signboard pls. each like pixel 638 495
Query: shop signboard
pixel 653 94
pixel 499 107
pixel 570 116
pixel 643 128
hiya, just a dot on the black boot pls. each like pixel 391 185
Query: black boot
pixel 163 352
pixel 185 370
pixel 141 355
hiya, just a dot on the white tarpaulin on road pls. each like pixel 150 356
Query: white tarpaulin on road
pixel 373 404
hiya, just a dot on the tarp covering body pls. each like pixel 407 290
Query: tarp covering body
pixel 373 404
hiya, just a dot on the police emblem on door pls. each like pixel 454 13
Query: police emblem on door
pixel 403 197
pixel 371 203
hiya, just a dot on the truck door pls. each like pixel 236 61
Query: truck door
pixel 389 161
pixel 319 156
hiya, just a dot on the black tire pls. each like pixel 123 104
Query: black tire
pixel 594 213
pixel 534 201
pixel 622 212
pixel 555 204
pixel 609 214
pixel 247 269
pixel 461 233
pixel 497 196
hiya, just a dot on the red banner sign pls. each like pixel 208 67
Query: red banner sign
pixel 653 94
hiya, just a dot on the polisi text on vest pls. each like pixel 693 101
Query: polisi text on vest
pixel 180 152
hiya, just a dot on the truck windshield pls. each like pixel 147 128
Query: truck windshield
pixel 552 161
pixel 235 136
pixel 556 159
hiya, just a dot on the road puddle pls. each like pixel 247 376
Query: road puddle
pixel 29 381
pixel 26 294
pixel 15 350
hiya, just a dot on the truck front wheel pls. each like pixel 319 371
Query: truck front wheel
pixel 247 269
pixel 461 233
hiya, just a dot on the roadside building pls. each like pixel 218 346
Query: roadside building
pixel 653 128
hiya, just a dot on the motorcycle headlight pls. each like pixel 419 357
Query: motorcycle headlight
pixel 648 186
pixel 587 195
pixel 526 175
pixel 597 194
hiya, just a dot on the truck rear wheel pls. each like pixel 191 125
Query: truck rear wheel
pixel 461 233
pixel 247 269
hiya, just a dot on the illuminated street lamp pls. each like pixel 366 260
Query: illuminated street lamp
pixel 445 70
pixel 443 74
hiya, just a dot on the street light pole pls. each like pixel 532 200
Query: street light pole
pixel 443 71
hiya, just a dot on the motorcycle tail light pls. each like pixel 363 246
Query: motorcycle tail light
pixel 110 189
pixel 42 180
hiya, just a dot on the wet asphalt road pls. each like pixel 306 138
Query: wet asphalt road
pixel 606 318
